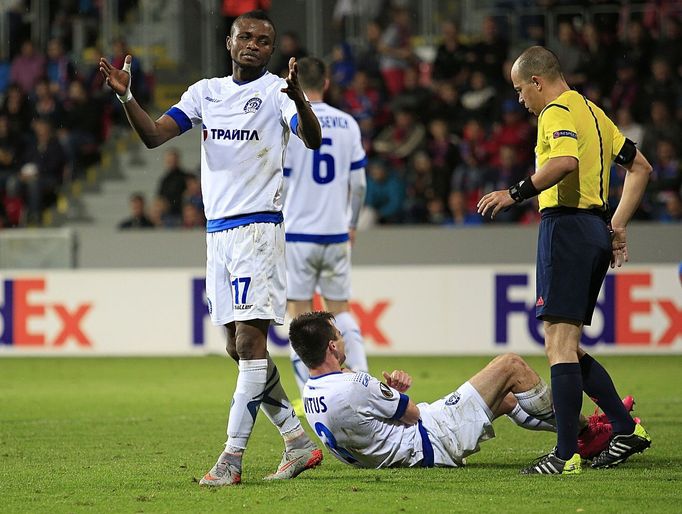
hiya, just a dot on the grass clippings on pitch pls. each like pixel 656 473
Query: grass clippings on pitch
pixel 135 435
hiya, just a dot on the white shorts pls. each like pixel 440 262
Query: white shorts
pixel 456 424
pixel 245 273
pixel 326 266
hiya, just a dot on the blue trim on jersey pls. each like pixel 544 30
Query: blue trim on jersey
pixel 286 171
pixel 325 375
pixel 245 219
pixel 402 406
pixel 242 82
pixel 180 118
pixel 294 124
pixel 321 239
pixel 359 164
pixel 427 448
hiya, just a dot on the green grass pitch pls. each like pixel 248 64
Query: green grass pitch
pixel 134 435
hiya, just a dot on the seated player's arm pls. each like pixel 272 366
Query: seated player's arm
pixel 412 414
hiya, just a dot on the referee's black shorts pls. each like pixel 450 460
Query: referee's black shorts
pixel 574 252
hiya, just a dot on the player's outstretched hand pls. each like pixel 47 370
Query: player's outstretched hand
pixel 117 80
pixel 619 247
pixel 293 89
pixel 398 380
pixel 497 200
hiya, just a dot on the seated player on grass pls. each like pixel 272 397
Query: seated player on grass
pixel 371 424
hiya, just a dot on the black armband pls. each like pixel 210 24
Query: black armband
pixel 523 190
pixel 627 153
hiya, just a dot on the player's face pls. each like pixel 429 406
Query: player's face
pixel 529 96
pixel 251 43
pixel 339 349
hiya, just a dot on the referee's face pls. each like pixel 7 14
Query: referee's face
pixel 529 94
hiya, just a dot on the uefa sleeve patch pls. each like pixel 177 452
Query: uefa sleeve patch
pixel 386 391
pixel 564 133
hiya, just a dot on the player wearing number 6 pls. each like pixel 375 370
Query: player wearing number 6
pixel 371 424
pixel 324 191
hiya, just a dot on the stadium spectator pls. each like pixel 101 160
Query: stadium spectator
pixel 414 96
pixel 11 148
pixel 363 101
pixel 46 105
pixel 453 58
pixel 446 104
pixel 368 56
pixel 400 139
pixel 419 188
pixel 342 66
pixel 442 147
pixel 628 126
pixel 43 171
pixel 669 44
pixel 491 51
pixel 598 65
pixel 289 46
pixel 514 130
pixel 83 127
pixel 173 182
pixel 385 193
pixel 666 177
pixel 18 109
pixel 192 192
pixel 625 92
pixel 638 47
pixel 395 50
pixel 159 214
pixel 661 125
pixel 60 70
pixel 192 217
pixel 27 68
pixel 138 214
pixel 661 85
pixel 460 213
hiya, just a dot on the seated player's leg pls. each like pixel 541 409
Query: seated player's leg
pixel 302 264
pixel 335 285
pixel 509 373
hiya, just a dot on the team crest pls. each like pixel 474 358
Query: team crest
pixel 453 399
pixel 252 104
pixel 386 391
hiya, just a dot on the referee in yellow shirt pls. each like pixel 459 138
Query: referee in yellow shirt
pixel 576 144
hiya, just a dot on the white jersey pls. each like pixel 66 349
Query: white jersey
pixel 246 128
pixel 317 207
pixel 356 417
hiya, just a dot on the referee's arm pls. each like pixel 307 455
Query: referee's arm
pixel 636 180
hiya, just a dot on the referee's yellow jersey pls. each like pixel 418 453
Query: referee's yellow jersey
pixel 573 126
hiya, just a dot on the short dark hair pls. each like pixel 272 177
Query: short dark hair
pixel 538 60
pixel 258 14
pixel 312 73
pixel 310 334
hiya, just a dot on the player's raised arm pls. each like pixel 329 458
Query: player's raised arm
pixel 308 127
pixel 153 133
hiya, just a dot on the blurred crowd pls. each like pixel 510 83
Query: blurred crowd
pixel 442 133
pixel 54 114
pixel 440 122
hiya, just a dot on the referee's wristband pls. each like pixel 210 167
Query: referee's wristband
pixel 523 190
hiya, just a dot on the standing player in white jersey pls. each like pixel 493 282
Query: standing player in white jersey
pixel 370 424
pixel 246 120
pixel 324 192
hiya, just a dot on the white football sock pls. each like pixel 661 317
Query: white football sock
pixel 538 402
pixel 356 359
pixel 525 420
pixel 277 408
pixel 245 402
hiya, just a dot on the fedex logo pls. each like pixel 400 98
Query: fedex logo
pixel 627 302
pixel 26 318
pixel 368 318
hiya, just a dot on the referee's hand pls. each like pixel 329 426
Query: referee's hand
pixel 619 248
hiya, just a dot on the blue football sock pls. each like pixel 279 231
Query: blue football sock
pixel 598 385
pixel 567 394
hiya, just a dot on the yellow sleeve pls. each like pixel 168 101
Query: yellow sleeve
pixel 618 142
pixel 559 132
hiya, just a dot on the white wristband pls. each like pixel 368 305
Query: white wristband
pixel 127 96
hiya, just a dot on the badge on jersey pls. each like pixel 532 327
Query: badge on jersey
pixel 386 391
pixel 252 104
pixel 564 133
pixel 453 399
